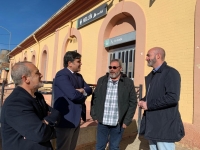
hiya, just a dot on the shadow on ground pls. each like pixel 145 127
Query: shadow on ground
pixel 133 142
pixel 127 141
pixel 144 144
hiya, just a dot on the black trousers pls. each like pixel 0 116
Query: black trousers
pixel 67 138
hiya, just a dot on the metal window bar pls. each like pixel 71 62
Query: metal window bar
pixel 3 90
pixel 128 60
pixel 45 90
pixel 139 97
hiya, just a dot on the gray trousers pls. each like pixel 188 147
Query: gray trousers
pixel 154 145
pixel 67 138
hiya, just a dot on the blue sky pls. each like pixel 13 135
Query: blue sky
pixel 22 17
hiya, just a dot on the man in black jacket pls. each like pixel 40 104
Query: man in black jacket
pixel 27 122
pixel 161 123
pixel 113 106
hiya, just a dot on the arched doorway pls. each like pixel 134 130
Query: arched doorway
pixel 33 59
pixel 44 64
pixel 132 16
pixel 71 42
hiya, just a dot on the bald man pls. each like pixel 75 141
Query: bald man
pixel 161 122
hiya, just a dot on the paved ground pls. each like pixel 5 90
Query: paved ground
pixel 132 143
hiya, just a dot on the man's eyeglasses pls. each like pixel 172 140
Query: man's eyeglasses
pixel 114 67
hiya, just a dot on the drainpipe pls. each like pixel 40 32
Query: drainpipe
pixel 39 50
pixel 70 30
pixel 71 23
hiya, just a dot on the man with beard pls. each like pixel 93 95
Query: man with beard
pixel 70 92
pixel 27 122
pixel 161 123
pixel 113 106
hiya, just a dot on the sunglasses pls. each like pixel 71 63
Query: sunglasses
pixel 114 67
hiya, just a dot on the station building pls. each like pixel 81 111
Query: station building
pixel 101 30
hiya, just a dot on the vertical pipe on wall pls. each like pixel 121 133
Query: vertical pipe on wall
pixel 70 29
pixel 139 109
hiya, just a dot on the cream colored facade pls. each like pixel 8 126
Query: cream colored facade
pixel 171 24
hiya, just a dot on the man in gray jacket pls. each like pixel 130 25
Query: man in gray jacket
pixel 161 123
pixel 113 105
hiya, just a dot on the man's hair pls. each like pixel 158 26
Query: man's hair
pixel 117 60
pixel 18 70
pixel 70 56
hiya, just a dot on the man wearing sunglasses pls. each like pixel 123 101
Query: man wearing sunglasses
pixel 113 106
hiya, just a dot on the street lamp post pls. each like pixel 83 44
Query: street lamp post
pixel 9 33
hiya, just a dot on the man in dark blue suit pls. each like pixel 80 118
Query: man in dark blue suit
pixel 70 91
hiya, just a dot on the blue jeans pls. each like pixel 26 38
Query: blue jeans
pixel 111 134
pixel 154 145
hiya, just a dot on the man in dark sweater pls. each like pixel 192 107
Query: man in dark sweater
pixel 161 123
pixel 27 122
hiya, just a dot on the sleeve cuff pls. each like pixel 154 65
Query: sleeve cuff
pixel 84 93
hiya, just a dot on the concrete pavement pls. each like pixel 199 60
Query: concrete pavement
pixel 128 143
pixel 132 143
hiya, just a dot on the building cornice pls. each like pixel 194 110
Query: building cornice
pixel 68 12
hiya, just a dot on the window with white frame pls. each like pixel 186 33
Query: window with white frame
pixel 127 56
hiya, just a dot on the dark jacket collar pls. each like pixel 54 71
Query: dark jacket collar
pixel 66 69
pixel 70 72
pixel 21 89
pixel 161 67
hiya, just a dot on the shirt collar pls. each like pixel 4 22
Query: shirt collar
pixel 70 70
pixel 156 69
pixel 110 80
